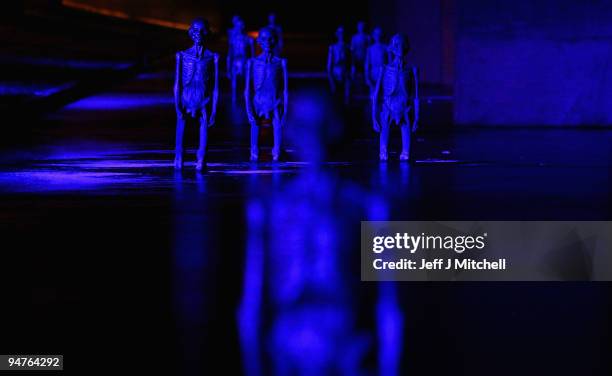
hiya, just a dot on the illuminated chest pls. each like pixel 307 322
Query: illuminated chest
pixel 196 70
pixel 267 76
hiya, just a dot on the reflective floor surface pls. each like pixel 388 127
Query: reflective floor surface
pixel 117 261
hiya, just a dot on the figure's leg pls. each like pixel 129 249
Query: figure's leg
pixel 178 150
pixel 254 142
pixel 406 134
pixel 233 86
pixel 201 155
pixel 278 132
pixel 384 139
pixel 347 91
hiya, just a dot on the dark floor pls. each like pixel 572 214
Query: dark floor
pixel 118 262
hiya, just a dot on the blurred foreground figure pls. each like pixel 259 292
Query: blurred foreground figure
pixel 278 49
pixel 266 92
pixel 396 98
pixel 196 90
pixel 376 58
pixel 359 48
pixel 302 309
pixel 338 63
pixel 241 49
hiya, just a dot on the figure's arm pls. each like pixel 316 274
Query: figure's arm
pixel 285 91
pixel 366 68
pixel 352 53
pixel 249 312
pixel 215 97
pixel 177 86
pixel 247 93
pixel 415 72
pixel 375 99
pixel 332 85
pixel 228 67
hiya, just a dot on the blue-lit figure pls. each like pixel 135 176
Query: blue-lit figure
pixel 196 90
pixel 376 58
pixel 396 98
pixel 266 92
pixel 230 32
pixel 359 48
pixel 278 31
pixel 338 65
pixel 241 49
pixel 299 312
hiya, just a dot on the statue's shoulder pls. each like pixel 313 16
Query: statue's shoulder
pixel 208 54
pixel 413 69
pixel 279 61
pixel 188 53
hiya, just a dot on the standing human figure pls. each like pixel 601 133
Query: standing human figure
pixel 196 90
pixel 278 30
pixel 230 32
pixel 266 93
pixel 338 65
pixel 241 49
pixel 359 47
pixel 396 98
pixel 376 58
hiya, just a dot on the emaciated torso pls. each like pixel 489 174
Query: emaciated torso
pixel 196 80
pixel 267 84
pixel 398 88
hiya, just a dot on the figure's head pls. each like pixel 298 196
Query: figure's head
pixel 377 34
pixel 235 19
pixel 198 31
pixel 272 19
pixel 361 27
pixel 340 33
pixel 240 26
pixel 267 39
pixel 399 45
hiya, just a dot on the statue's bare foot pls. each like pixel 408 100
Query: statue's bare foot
pixel 254 156
pixel 178 163
pixel 275 155
pixel 405 156
pixel 384 156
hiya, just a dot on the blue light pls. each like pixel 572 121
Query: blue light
pixel 121 102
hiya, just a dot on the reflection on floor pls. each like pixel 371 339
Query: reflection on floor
pixel 258 262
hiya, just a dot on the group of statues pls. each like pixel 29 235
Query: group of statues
pixel 393 83
pixel 196 87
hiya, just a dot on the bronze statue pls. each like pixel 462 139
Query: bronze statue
pixel 278 31
pixel 196 90
pixel 241 49
pixel 376 58
pixel 359 48
pixel 266 92
pixel 396 98
pixel 338 65
pixel 230 32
